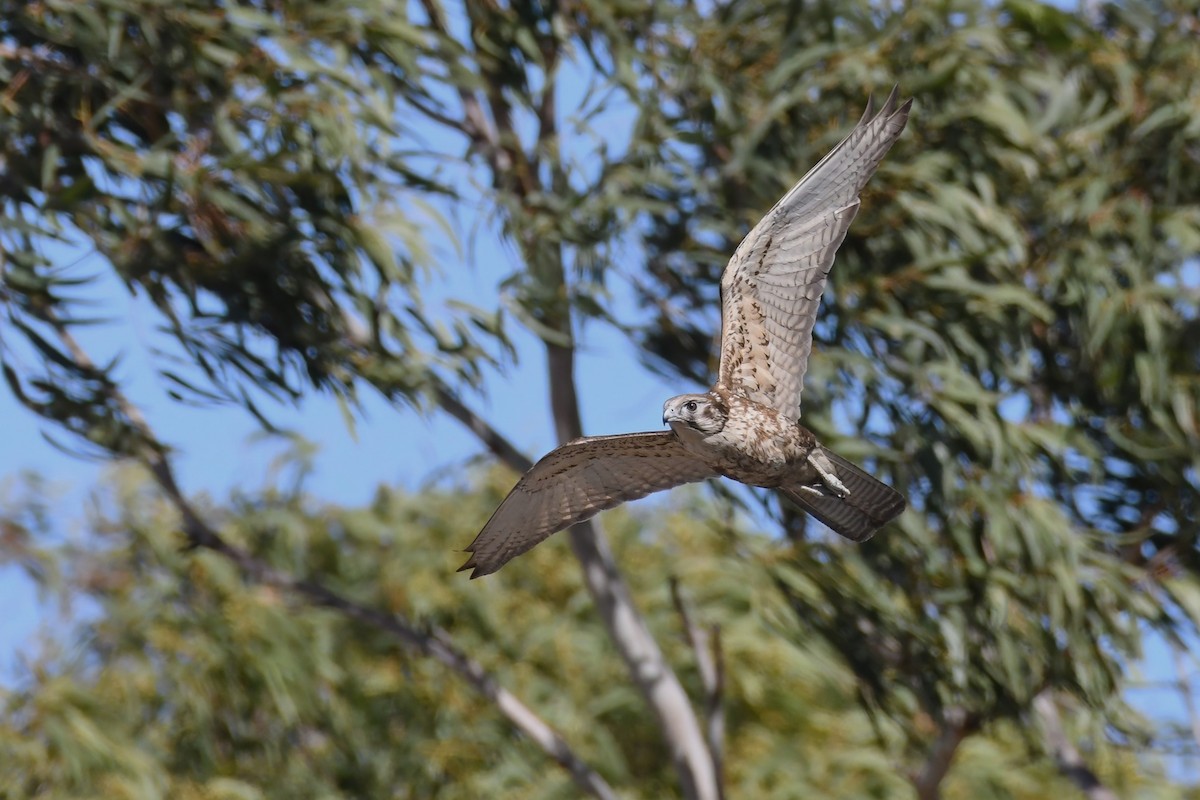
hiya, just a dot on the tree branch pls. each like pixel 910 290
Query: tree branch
pixel 1184 684
pixel 513 172
pixel 1066 757
pixel 715 709
pixel 646 663
pixel 435 644
pixel 475 121
pixel 956 726
pixel 500 447
pixel 461 125
pixel 706 644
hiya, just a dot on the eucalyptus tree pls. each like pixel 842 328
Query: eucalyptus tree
pixel 1007 336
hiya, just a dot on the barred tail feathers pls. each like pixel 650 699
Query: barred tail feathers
pixel 869 506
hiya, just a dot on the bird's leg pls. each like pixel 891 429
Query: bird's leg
pixel 825 469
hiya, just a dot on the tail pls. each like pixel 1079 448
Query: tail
pixel 869 506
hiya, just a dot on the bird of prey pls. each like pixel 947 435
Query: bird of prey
pixel 747 426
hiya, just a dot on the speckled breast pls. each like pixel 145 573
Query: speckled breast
pixel 760 446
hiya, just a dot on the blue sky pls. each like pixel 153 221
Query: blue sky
pixel 219 448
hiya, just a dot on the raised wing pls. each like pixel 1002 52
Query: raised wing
pixel 771 288
pixel 575 482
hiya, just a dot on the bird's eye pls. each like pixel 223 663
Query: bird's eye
pixel 690 406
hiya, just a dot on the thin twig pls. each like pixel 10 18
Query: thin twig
pixel 706 644
pixel 460 125
pixel 435 644
pixel 1184 685
pixel 500 447
pixel 474 119
pixel 715 709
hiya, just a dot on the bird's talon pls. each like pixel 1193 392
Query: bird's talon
pixel 825 470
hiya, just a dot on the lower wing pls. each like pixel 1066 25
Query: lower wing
pixel 575 482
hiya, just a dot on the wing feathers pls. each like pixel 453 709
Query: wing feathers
pixel 770 291
pixel 574 483
pixel 772 287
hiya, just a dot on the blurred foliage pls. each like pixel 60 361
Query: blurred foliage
pixel 189 682
pixel 1009 334
pixel 1009 337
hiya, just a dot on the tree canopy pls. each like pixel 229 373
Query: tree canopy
pixel 1007 338
pixel 191 682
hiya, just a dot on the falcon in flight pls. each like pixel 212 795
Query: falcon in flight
pixel 747 426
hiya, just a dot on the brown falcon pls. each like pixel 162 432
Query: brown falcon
pixel 747 426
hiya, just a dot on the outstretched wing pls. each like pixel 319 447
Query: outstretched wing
pixel 772 287
pixel 575 482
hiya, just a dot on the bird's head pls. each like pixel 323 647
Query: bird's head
pixel 701 413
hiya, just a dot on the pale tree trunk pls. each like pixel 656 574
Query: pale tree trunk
pixel 516 171
pixel 647 665
pixel 648 668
